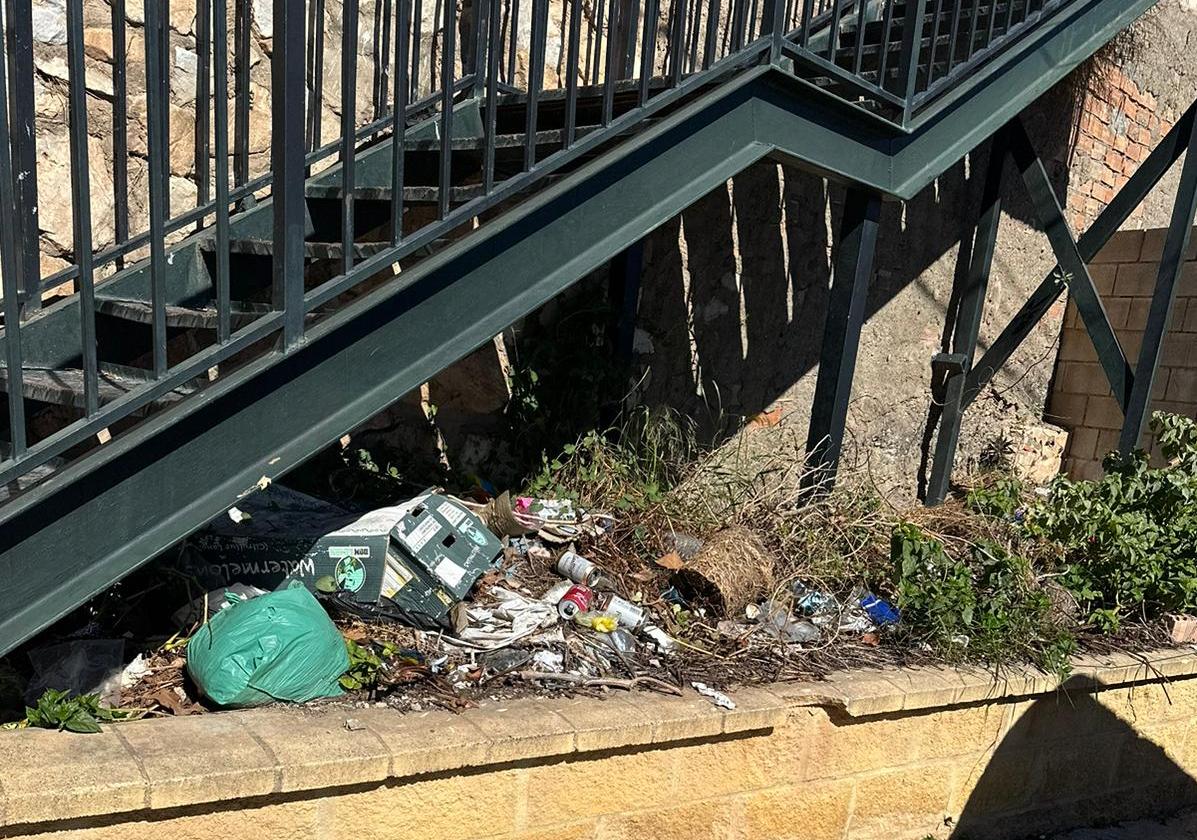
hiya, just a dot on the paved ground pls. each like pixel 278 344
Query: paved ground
pixel 1181 827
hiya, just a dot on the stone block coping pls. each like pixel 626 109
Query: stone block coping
pixel 170 763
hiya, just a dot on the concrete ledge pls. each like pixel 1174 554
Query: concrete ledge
pixel 163 764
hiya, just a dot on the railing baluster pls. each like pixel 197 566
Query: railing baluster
pixel 494 38
pixel 572 68
pixel 632 25
pixel 974 22
pixel 808 13
pixel 156 140
pixel 81 203
pixel 399 133
pixel 287 121
pixel 953 34
pixel 886 31
pixel 737 23
pixel 241 93
pixel 348 127
pixel 648 46
pixel 203 106
pixel 936 20
pixel 912 37
pixel 675 43
pixel 448 58
pixel 315 72
pixel 22 118
pixel 120 128
pixel 481 33
pixel 609 72
pixel 10 273
pixel 164 65
pixel 833 29
pixel 540 28
pixel 599 10
pixel 220 58
pixel 708 50
pixel 860 36
pixel 692 36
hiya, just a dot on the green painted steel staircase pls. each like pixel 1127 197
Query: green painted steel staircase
pixel 241 351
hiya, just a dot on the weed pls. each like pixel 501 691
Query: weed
pixel 985 597
pixel 1001 498
pixel 365 664
pixel 1129 541
pixel 82 713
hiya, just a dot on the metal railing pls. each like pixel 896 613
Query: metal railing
pixel 625 60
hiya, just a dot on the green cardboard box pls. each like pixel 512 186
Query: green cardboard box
pixel 425 554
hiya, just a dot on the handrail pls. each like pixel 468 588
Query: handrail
pixel 420 70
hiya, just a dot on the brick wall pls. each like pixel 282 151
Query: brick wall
pixel 1081 400
pixel 1120 124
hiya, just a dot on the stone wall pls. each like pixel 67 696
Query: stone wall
pixel 903 754
pixel 1081 400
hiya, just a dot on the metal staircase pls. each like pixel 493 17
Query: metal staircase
pixel 306 301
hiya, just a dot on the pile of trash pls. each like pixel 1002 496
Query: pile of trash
pixel 440 601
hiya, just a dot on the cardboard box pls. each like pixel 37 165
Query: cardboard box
pixel 425 554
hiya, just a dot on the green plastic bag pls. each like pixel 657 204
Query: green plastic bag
pixel 278 646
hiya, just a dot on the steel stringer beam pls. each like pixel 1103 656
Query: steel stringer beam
pixel 1180 230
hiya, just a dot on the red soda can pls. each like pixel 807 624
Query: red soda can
pixel 575 600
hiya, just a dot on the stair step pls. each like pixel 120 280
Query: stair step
pixel 183 317
pixel 547 137
pixel 65 387
pixel 311 250
pixel 411 195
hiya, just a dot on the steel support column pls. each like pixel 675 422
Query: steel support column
pixel 971 302
pixel 1160 313
pixel 841 333
pixel 623 289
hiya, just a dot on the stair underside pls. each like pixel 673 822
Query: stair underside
pixel 181 467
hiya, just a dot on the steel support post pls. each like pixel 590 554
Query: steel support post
pixel 971 302
pixel 1160 314
pixel 841 333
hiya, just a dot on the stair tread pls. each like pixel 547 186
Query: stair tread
pixel 185 317
pixel 502 141
pixel 411 195
pixel 65 386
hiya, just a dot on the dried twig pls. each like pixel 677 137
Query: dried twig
pixel 600 682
